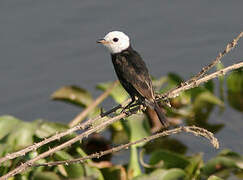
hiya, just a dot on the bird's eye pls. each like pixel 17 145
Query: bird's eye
pixel 115 39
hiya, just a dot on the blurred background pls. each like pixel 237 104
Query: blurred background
pixel 47 44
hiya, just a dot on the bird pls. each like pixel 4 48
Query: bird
pixel 132 72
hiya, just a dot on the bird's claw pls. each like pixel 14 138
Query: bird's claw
pixel 128 112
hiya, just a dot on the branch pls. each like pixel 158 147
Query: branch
pixel 177 91
pixel 230 46
pixel 165 96
pixel 197 131
pixel 30 163
pixel 59 135
pixel 172 93
pixel 45 141
pixel 94 104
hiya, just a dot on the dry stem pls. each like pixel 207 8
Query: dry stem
pixel 91 130
pixel 230 46
pixel 196 83
pixel 172 93
pixel 84 113
pixel 59 135
pixel 30 163
pixel 193 82
pixel 197 131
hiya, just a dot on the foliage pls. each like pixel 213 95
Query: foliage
pixel 167 158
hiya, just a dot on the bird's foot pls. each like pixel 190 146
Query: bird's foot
pixel 126 110
pixel 143 107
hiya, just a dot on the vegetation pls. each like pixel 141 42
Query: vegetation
pixel 167 156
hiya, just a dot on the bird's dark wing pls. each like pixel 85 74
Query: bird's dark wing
pixel 134 71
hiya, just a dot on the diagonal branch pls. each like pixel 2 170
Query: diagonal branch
pixel 84 113
pixel 59 135
pixel 175 92
pixel 91 130
pixel 230 46
pixel 197 131
pixel 82 126
pixel 193 82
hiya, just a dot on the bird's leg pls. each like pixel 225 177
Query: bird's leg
pixel 132 104
pixel 102 114
pixel 128 106
pixel 136 104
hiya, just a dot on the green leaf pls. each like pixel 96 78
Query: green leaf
pixel 74 95
pixel 46 129
pixel 22 135
pixel 7 125
pixel 202 107
pixel 91 172
pixel 234 156
pixel 221 81
pixel 167 143
pixel 45 175
pixel 4 148
pixel 206 97
pixel 171 174
pixel 209 86
pixel 118 93
pixel 119 137
pixel 239 174
pixel 173 80
pixel 171 160
pixel 133 166
pixel 73 170
pixel 193 169
pixel 217 164
pixel 235 89
pixel 235 100
pixel 235 81
pixel 214 178
pixel 113 173
pixel 219 66
pixel 136 127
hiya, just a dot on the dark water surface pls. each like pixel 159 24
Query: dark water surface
pixel 50 43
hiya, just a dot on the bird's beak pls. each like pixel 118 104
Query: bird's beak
pixel 102 41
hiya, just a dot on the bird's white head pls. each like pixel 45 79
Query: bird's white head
pixel 115 41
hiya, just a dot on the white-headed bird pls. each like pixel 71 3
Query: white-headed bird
pixel 131 71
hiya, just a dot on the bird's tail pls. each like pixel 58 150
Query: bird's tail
pixel 160 114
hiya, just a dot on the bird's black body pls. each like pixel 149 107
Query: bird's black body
pixel 134 77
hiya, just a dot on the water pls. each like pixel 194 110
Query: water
pixel 50 43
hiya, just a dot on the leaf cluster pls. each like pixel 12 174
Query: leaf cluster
pixel 167 158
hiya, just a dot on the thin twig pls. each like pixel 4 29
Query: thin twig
pixel 197 131
pixel 94 104
pixel 30 163
pixel 230 46
pixel 176 92
pixel 59 135
pixel 88 122
pixel 170 94
pixel 45 141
